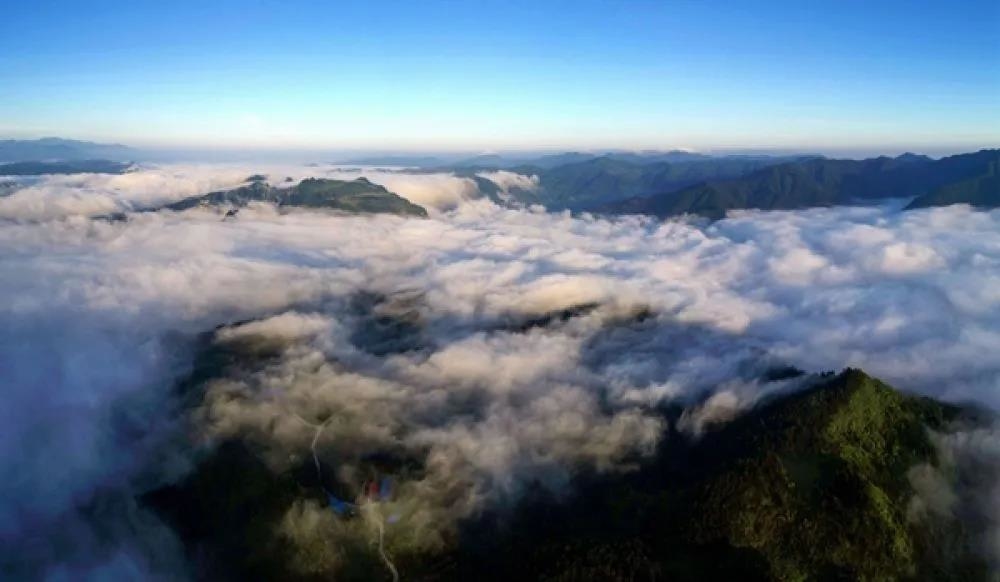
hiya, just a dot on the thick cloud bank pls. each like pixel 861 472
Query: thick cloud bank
pixel 60 196
pixel 499 345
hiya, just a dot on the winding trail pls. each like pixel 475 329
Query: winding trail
pixel 312 447
pixel 381 549
pixel 376 514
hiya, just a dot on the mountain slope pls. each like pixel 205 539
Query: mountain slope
pixel 823 485
pixel 815 485
pixel 358 195
pixel 981 190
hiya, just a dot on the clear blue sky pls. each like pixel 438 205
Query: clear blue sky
pixel 890 74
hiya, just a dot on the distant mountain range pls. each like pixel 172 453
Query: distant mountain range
pixel 564 158
pixel 58 149
pixel 505 161
pixel 509 161
pixel 591 183
pixel 966 178
pixel 403 161
pixel 653 183
pixel 674 183
pixel 35 168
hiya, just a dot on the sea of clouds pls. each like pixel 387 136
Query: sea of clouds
pixel 534 343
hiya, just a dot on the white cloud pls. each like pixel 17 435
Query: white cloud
pixel 94 314
pixel 90 194
pixel 506 181
pixel 59 196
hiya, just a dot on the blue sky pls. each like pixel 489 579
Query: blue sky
pixel 848 75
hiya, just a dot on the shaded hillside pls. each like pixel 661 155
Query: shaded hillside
pixel 358 195
pixel 821 182
pixel 982 190
pixel 816 485
pixel 70 167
